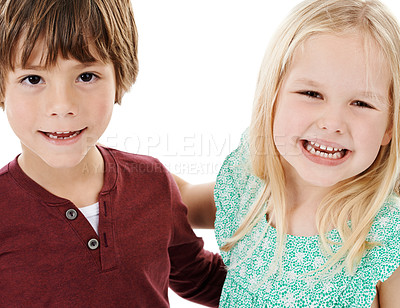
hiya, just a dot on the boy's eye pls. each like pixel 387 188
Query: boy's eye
pixel 361 104
pixel 86 77
pixel 32 79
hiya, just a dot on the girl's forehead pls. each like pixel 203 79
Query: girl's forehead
pixel 347 63
pixel 349 52
pixel 353 42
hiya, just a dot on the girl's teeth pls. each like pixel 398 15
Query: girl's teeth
pixel 319 150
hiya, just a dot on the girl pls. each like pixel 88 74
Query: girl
pixel 308 213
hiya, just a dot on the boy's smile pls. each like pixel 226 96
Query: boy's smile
pixel 332 110
pixel 63 135
pixel 59 112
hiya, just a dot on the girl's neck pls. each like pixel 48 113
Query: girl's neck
pixel 302 202
pixel 80 184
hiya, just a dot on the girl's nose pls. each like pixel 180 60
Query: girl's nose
pixel 332 122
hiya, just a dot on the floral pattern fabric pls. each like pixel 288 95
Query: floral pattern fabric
pixel 252 280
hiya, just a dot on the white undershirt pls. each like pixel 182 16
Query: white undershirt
pixel 91 212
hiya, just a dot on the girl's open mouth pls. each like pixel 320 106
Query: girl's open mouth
pixel 324 151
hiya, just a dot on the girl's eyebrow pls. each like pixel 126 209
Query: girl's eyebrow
pixel 307 81
pixel 366 94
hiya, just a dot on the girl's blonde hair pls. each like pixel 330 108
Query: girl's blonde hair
pixel 359 198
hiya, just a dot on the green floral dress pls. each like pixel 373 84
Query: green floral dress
pixel 247 283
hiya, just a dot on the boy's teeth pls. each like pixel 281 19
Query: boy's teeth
pixel 63 135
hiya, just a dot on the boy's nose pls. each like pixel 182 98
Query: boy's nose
pixel 61 102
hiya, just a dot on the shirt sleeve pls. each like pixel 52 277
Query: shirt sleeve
pixel 231 195
pixel 196 274
pixel 380 262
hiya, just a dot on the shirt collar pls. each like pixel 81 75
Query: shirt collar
pixel 38 192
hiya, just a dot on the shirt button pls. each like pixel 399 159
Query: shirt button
pixel 93 244
pixel 71 214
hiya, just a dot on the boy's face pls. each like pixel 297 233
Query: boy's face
pixel 59 113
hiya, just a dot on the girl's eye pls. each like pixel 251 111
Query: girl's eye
pixel 86 77
pixel 32 80
pixel 361 104
pixel 312 94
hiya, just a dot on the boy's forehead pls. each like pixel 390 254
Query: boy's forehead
pixel 39 55
pixel 36 56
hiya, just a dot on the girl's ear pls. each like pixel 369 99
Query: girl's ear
pixel 387 136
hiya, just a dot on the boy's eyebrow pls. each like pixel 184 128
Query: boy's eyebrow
pixel 80 65
pixel 31 67
pixel 87 64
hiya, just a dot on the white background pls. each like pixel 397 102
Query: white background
pixel 199 62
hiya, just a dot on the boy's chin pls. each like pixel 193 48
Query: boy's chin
pixel 85 159
pixel 61 162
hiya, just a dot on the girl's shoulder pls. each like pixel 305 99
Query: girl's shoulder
pixel 379 263
pixel 386 224
pixel 235 190
pixel 233 177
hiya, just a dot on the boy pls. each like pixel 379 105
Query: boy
pixel 84 225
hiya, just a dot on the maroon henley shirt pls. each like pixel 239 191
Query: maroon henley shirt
pixel 50 256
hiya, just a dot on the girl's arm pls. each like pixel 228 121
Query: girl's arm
pixel 389 291
pixel 200 202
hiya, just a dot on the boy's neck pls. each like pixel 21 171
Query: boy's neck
pixel 80 184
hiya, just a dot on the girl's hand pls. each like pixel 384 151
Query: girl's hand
pixel 200 202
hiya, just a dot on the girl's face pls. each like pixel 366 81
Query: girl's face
pixel 332 113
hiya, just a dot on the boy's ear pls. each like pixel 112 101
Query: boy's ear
pixel 387 136
pixel 118 96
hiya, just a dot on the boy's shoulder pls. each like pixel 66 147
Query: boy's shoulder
pixel 122 157
pixel 7 184
pixel 3 170
pixel 135 163
pixel 128 170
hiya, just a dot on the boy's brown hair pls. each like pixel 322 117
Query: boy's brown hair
pixel 70 28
